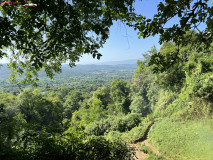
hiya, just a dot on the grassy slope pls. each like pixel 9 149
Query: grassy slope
pixel 190 140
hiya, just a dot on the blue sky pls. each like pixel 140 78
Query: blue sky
pixel 123 42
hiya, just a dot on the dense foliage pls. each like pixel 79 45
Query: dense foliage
pixel 94 124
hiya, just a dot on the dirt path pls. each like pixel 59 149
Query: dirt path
pixel 139 154
pixel 154 150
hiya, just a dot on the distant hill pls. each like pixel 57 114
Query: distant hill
pixel 82 70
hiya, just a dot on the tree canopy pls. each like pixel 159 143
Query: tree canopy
pixel 55 32
pixel 59 30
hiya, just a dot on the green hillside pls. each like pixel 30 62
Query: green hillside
pixel 191 140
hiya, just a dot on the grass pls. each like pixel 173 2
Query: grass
pixel 179 140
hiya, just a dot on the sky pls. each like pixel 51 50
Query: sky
pixel 123 42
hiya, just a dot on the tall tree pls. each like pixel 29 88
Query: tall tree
pixel 37 109
pixel 72 103
pixel 120 93
pixel 102 94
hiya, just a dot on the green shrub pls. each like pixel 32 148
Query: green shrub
pixel 99 127
pixel 120 124
pixel 166 98
pixel 100 148
pixel 73 145
pixel 115 135
pixel 137 133
pixel 203 86
pixel 126 123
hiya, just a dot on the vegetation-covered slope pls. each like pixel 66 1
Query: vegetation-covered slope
pixel 79 117
pixel 191 140
pixel 79 121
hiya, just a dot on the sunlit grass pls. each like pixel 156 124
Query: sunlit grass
pixel 190 140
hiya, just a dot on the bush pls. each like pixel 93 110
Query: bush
pixel 121 124
pixel 100 148
pixel 126 123
pixel 99 127
pixel 73 145
pixel 203 86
